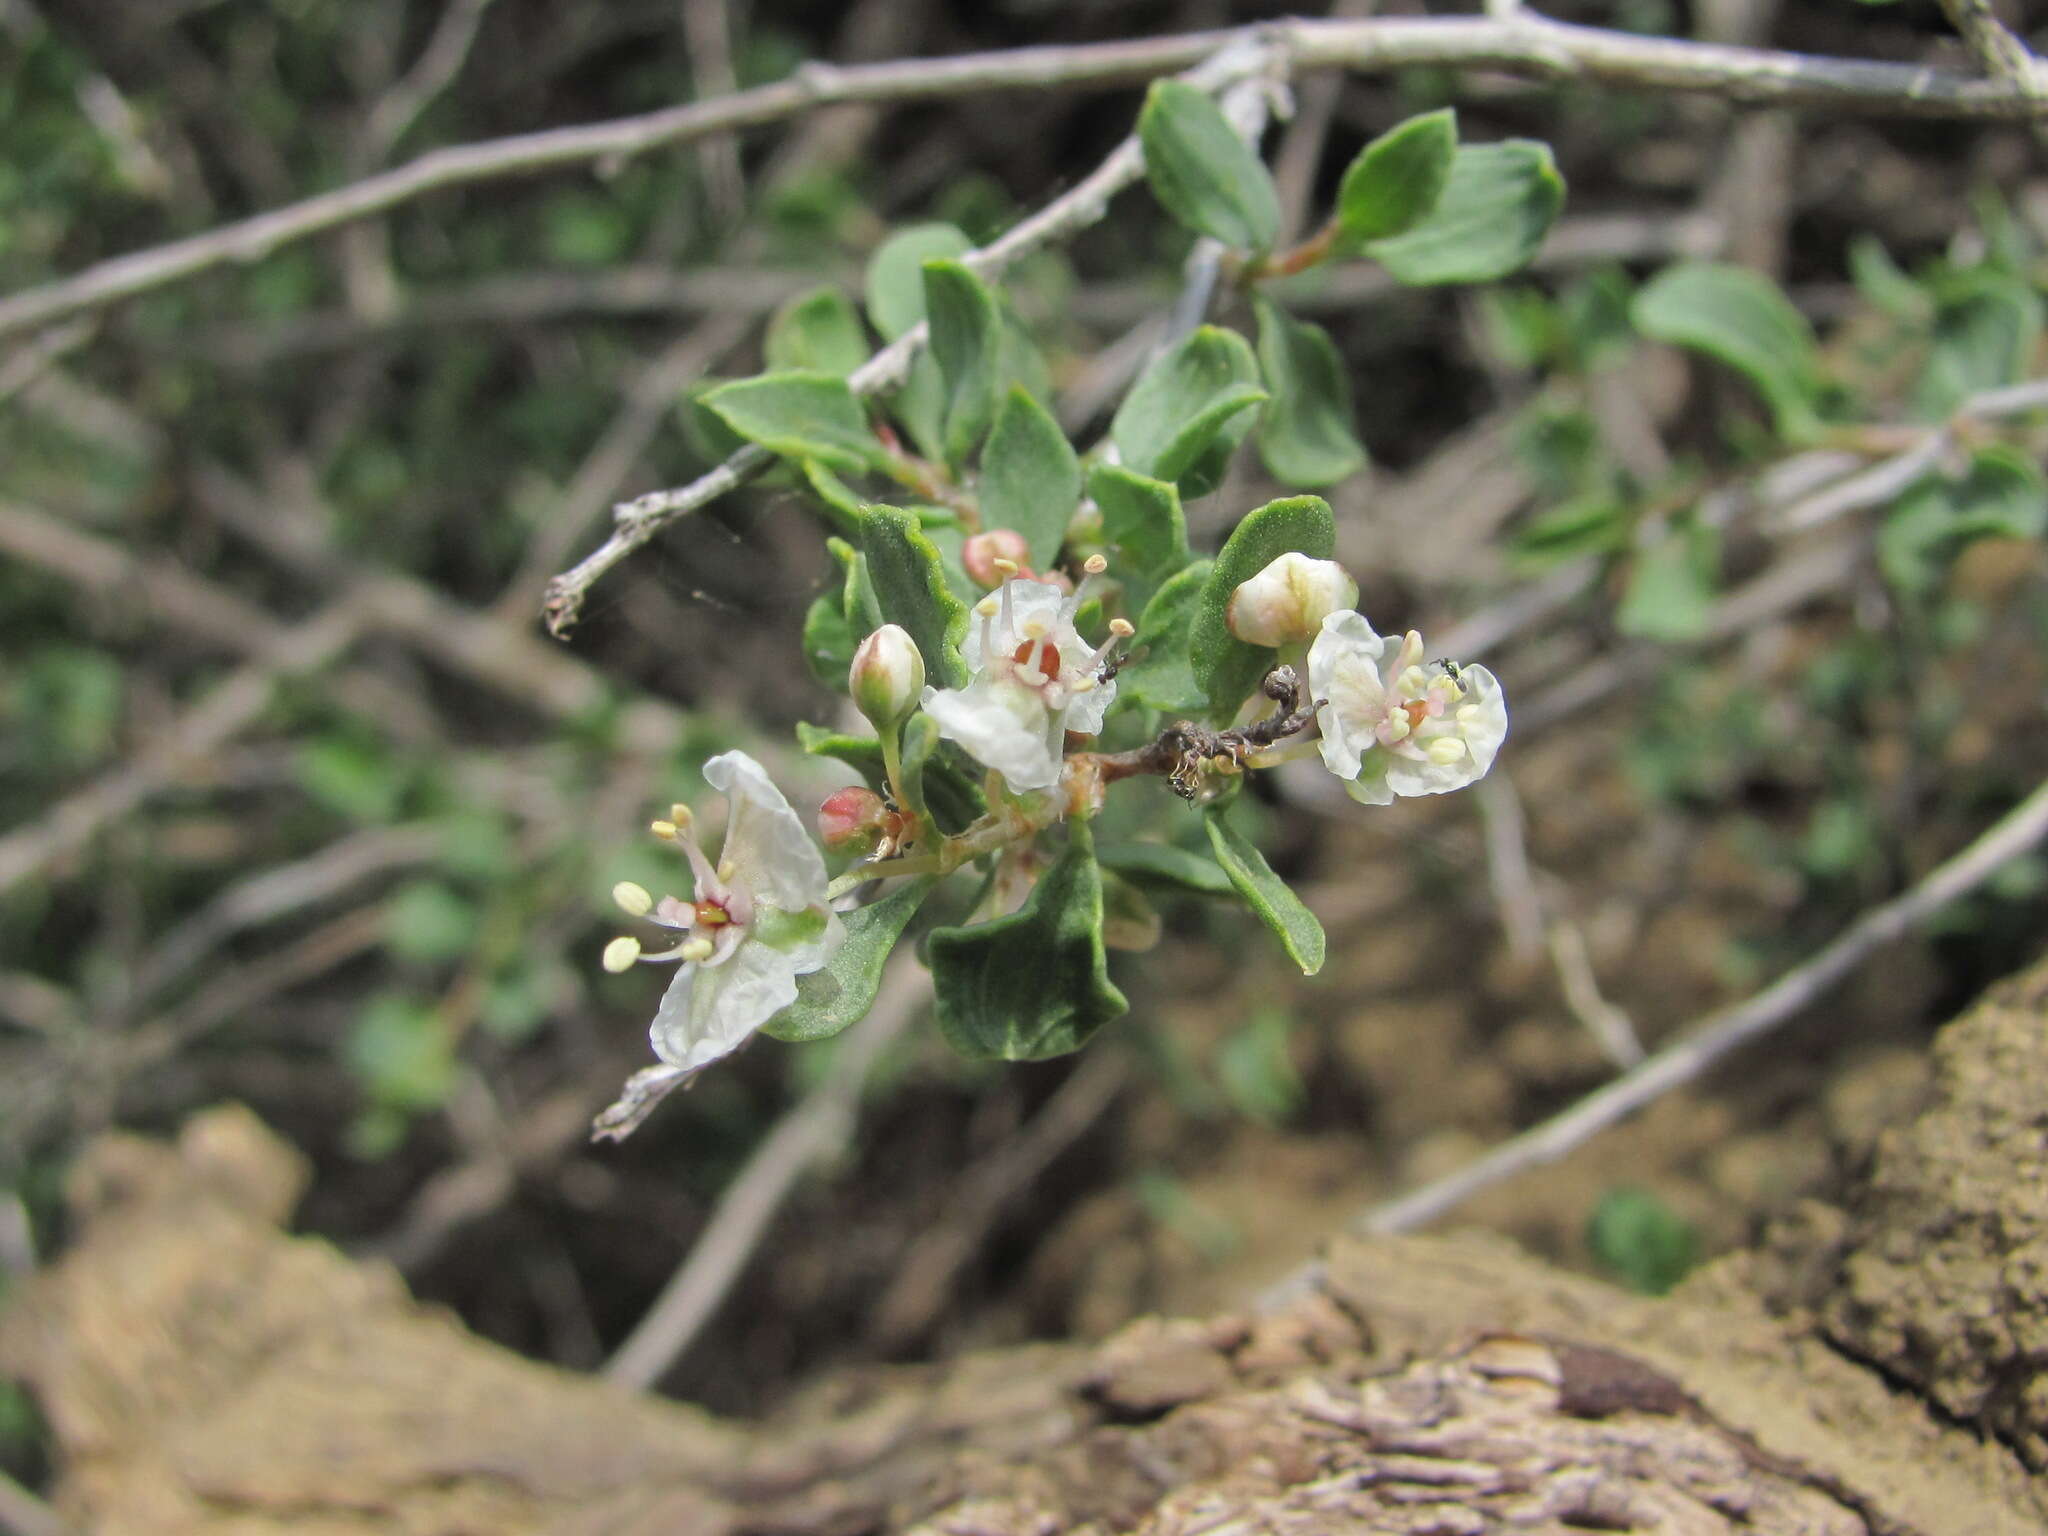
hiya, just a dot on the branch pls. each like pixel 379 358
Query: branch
pixel 636 522
pixel 1718 1034
pixel 1999 52
pixel 1523 43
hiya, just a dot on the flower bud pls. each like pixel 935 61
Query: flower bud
pixel 1287 602
pixel 982 550
pixel 852 820
pixel 887 676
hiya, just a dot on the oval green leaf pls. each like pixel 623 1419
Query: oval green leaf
pixel 1305 435
pixel 1396 180
pixel 799 416
pixel 1268 895
pixel 1226 669
pixel 1490 218
pixel 1030 477
pixel 1203 174
pixel 1740 318
pixel 1191 396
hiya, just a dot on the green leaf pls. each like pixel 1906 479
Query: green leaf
pixel 828 641
pixel 1742 319
pixel 2002 496
pixel 911 590
pixel 1397 178
pixel 1030 478
pixel 1671 587
pixel 1160 676
pixel 800 416
pixel 1161 866
pixel 1036 983
pixel 1985 330
pixel 1305 437
pixel 1202 172
pixel 967 340
pixel 1883 282
pixel 1491 217
pixel 1646 1243
pixel 1142 518
pixel 1189 397
pixel 1267 894
pixel 863 754
pixel 1226 669
pixel 402 1053
pixel 895 276
pixel 857 595
pixel 1595 524
pixel 425 922
pixel 843 509
pixel 819 332
pixel 841 994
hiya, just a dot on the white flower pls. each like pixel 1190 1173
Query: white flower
pixel 1402 727
pixel 755 922
pixel 1035 679
pixel 1287 601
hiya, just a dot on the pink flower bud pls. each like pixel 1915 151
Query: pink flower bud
pixel 1287 602
pixel 853 820
pixel 981 552
pixel 887 676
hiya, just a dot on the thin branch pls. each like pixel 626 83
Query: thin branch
pixel 431 74
pixel 636 522
pixel 1884 481
pixel 1714 1037
pixel 922 1282
pixel 1999 52
pixel 813 1128
pixel 227 709
pixel 1525 43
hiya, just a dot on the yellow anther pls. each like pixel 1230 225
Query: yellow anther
pixel 1033 628
pixel 1123 629
pixel 665 830
pixel 695 951
pixel 727 869
pixel 620 954
pixel 681 815
pixel 634 900
pixel 1445 750
pixel 1095 565
pixel 988 607
pixel 1004 568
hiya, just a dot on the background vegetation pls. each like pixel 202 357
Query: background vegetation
pixel 306 811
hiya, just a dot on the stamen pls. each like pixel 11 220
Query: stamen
pixel 634 900
pixel 1095 565
pixel 682 816
pixel 1007 569
pixel 620 954
pixel 1008 610
pixel 665 830
pixel 1445 750
pixel 696 951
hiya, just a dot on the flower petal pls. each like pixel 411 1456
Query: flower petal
pixel 710 1011
pixel 644 1089
pixel 1002 725
pixel 1343 668
pixel 1085 710
pixel 768 845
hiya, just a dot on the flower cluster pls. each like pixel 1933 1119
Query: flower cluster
pixel 1390 724
pixel 1385 721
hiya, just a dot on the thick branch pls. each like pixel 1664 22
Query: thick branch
pixel 1523 42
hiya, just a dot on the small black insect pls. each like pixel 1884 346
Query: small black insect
pixel 1451 668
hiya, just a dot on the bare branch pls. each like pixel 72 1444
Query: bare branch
pixel 431 74
pixel 1714 1037
pixel 226 710
pixel 814 1127
pixel 1998 51
pixel 1523 43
